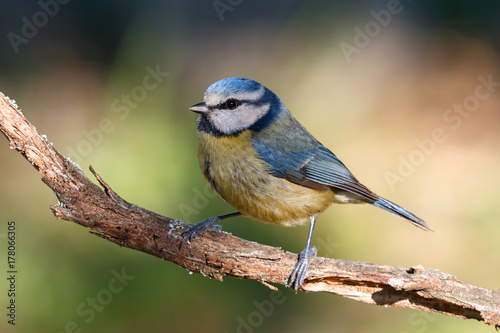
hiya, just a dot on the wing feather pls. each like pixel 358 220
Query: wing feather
pixel 316 168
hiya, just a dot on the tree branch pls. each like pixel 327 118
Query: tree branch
pixel 216 254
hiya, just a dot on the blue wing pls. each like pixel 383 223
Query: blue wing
pixel 317 168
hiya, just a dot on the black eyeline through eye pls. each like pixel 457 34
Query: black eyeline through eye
pixel 230 104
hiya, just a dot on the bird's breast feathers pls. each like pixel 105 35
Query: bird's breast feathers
pixel 245 181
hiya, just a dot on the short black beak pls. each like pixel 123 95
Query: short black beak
pixel 200 108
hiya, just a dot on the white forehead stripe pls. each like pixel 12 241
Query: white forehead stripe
pixel 215 99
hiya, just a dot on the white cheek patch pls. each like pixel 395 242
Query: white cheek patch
pixel 233 121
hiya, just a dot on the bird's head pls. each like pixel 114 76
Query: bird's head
pixel 236 104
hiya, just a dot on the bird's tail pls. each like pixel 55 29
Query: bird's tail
pixel 401 212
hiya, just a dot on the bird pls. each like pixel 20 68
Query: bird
pixel 259 159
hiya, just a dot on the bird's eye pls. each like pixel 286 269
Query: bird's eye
pixel 231 104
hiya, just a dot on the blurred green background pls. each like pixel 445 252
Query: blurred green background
pixel 373 80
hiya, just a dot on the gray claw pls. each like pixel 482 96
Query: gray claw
pixel 300 271
pixel 199 228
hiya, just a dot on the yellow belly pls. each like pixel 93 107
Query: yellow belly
pixel 244 181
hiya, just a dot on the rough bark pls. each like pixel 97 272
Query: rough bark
pixel 218 254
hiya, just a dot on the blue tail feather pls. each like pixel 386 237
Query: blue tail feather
pixel 401 212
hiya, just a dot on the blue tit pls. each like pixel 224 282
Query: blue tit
pixel 267 166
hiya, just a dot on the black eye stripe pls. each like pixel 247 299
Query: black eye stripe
pixel 222 106
pixel 229 104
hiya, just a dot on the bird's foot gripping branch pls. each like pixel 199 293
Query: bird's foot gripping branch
pixel 216 254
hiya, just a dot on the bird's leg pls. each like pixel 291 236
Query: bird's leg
pixel 203 226
pixel 299 272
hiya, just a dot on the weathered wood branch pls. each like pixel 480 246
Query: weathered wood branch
pixel 216 254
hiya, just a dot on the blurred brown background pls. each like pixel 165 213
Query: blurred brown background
pixel 406 93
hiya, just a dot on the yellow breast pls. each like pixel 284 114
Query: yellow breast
pixel 233 169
